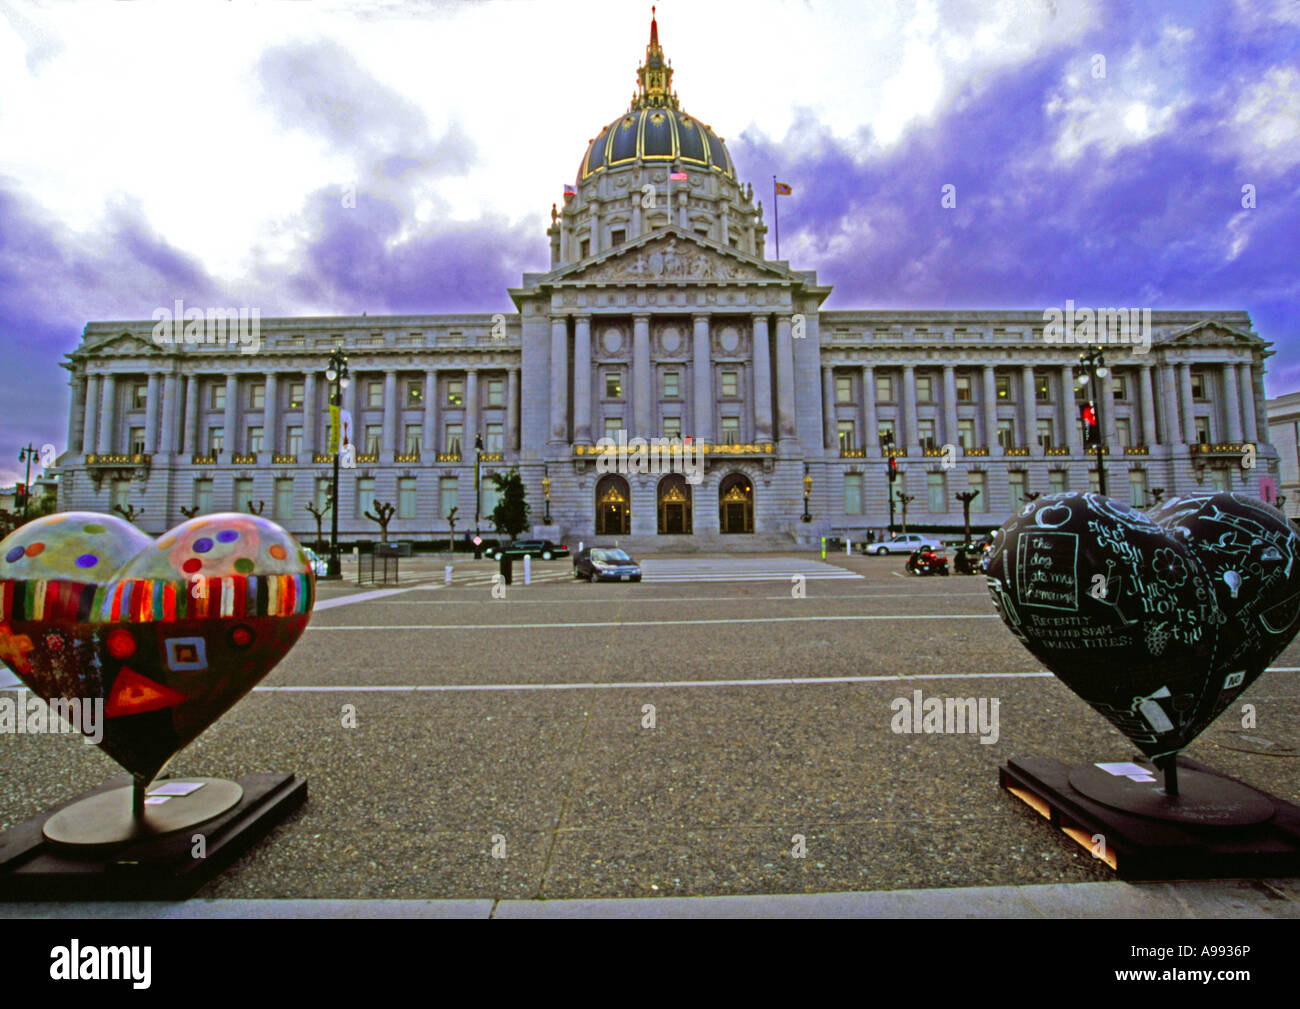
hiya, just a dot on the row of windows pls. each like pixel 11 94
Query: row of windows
pixel 927 386
pixel 729 384
pixel 372 437
pixel 1045 432
pixel 728 430
pixel 372 394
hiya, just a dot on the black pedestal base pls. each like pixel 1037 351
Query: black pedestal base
pixel 162 867
pixel 1148 847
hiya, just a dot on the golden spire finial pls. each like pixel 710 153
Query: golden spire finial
pixel 654 75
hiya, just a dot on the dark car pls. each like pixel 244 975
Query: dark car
pixel 544 549
pixel 606 564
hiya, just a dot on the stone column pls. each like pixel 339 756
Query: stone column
pixel 471 409
pixel 191 444
pixel 1169 400
pixel 830 430
pixel 582 379
pixel 702 377
pixel 167 435
pixel 762 380
pixel 512 410
pixel 641 376
pixel 90 415
pixel 231 421
pixel 350 405
pixel 271 414
pixel 559 379
pixel 909 438
pixel 388 444
pixel 635 233
pixel 1029 410
pixel 309 424
pixel 151 415
pixel 991 411
pixel 785 379
pixel 1247 373
pixel 107 415
pixel 872 434
pixel 1069 411
pixel 1185 397
pixel 429 422
pixel 1149 435
pixel 595 227
pixel 1231 404
pixel 950 404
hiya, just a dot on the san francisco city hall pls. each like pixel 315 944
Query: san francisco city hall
pixel 660 318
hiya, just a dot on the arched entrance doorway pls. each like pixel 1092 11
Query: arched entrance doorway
pixel 736 504
pixel 674 505
pixel 613 506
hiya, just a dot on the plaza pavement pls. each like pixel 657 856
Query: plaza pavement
pixel 518 726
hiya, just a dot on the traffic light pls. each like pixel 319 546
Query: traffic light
pixel 893 469
pixel 1088 417
pixel 20 494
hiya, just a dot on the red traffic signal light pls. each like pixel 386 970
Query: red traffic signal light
pixel 1091 436
pixel 893 469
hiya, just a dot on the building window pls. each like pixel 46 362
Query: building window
pixel 203 496
pixel 1198 386
pixel 406 497
pixel 617 237
pixel 496 438
pixel 365 495
pixel 1045 433
pixel 846 430
pixel 964 394
pixel 255 439
pixel 1094 482
pixel 1203 430
pixel 672 427
pixel 924 389
pixel 1137 488
pixel 243 495
pixel 455 392
pixel 374 394
pixel 584 248
pixel 1042 389
pixel 413 438
pixel 451 438
pixel 1003 383
pixel 1007 433
pixel 613 425
pixel 296 395
pixel 885 388
pixel 257 396
pixel 885 432
pixel 925 433
pixel 672 386
pixel 496 392
pixel 1124 432
pixel 218 395
pixel 1059 481
pixel 977 482
pixel 136 438
pixel 613 385
pixel 1221 479
pixel 852 493
pixel 139 396
pixel 295 438
pixel 730 383
pixel 1121 387
pixel 1016 480
pixel 374 435
pixel 414 394
pixel 283 499
pixel 934 487
pixel 216 440
pixel 843 389
pixel 447 495
pixel 731 430
pixel 966 433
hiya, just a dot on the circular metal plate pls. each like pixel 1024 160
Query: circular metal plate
pixel 1204 800
pixel 1252 741
pixel 106 818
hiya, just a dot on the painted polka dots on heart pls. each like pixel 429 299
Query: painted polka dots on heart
pixel 278 552
pixel 35 549
pixel 87 561
pixel 202 546
pixel 191 565
pixel 244 566
pixel 14 554
pixel 92 528
pixel 227 536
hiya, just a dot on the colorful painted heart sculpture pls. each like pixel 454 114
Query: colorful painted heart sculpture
pixel 169 633
pixel 1120 609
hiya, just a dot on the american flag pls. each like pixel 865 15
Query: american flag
pixel 569 193
pixel 678 176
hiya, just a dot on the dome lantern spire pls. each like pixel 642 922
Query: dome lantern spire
pixel 655 76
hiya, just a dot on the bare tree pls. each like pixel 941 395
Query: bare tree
pixel 189 512
pixel 451 521
pixel 383 514
pixel 130 512
pixel 319 514
pixel 255 511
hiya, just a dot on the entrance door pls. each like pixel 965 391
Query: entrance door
pixel 613 509
pixel 674 506
pixel 736 504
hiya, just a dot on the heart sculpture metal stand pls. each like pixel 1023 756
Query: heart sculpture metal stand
pixel 1159 622
pixel 148 642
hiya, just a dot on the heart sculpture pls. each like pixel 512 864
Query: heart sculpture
pixel 1122 610
pixel 168 633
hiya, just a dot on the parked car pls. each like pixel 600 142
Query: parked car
pixel 544 549
pixel 905 543
pixel 605 564
pixel 319 565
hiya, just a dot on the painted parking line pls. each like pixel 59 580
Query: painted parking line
pixel 644 623
pixel 359 597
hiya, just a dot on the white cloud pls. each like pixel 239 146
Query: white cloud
pixel 1265 126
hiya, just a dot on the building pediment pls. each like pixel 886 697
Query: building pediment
pixel 121 345
pixel 671 256
pixel 1210 333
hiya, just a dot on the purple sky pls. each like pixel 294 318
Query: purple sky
pixel 1053 200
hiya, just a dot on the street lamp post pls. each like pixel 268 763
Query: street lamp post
pixel 546 492
pixel 807 489
pixel 478 481
pixel 1094 367
pixel 336 372
pixel 28 453
pixel 891 472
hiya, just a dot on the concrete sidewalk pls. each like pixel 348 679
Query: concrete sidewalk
pixel 1213 899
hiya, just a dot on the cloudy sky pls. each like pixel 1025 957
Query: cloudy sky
pixel 151 151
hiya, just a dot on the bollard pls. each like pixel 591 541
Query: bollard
pixel 823 548
pixel 528 570
pixel 446 574
pixel 579 546
pixel 848 547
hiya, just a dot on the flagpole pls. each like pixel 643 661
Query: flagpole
pixel 776 215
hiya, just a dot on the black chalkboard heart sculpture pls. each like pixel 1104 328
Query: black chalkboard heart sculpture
pixel 1120 609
